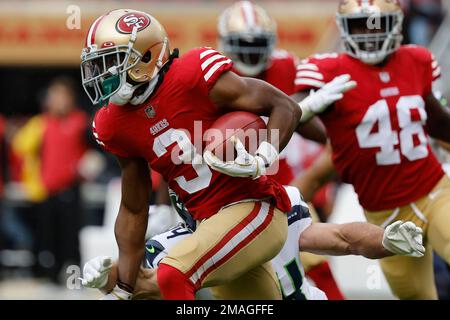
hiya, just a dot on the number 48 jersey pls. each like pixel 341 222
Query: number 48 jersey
pixel 377 131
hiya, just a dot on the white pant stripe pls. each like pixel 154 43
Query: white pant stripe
pixel 233 242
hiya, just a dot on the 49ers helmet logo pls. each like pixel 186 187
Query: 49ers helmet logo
pixel 127 22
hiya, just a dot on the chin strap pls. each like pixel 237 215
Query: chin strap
pixel 142 97
pixel 125 94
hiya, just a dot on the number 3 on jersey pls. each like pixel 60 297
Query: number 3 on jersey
pixel 386 139
pixel 189 155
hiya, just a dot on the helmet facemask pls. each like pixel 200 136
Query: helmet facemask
pixel 371 37
pixel 104 71
pixel 250 52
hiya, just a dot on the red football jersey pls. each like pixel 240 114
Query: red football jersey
pixel 168 129
pixel 281 72
pixel 377 131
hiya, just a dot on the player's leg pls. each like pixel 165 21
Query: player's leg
pixel 257 284
pixel 439 219
pixel 411 278
pixel 408 278
pixel 224 247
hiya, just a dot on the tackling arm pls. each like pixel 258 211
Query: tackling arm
pixel 131 223
pixel 360 238
pixel 101 273
pixel 356 238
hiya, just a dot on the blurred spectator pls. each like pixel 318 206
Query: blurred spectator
pixel 2 130
pixel 422 18
pixel 52 145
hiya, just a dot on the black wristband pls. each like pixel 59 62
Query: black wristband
pixel 125 286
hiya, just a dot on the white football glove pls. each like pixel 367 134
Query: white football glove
pixel 245 165
pixel 96 272
pixel 404 239
pixel 319 100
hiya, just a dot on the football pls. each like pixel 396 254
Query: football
pixel 246 126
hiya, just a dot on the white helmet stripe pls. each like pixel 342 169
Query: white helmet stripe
pixel 249 13
pixel 91 31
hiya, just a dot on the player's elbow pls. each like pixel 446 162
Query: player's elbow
pixel 282 103
pixel 294 111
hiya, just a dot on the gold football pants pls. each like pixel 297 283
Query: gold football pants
pixel 413 278
pixel 231 251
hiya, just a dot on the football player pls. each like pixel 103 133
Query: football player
pixel 248 35
pixel 379 133
pixel 325 238
pixel 152 102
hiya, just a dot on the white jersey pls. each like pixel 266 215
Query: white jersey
pixel 286 264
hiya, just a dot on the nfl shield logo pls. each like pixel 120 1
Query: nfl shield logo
pixel 385 77
pixel 150 112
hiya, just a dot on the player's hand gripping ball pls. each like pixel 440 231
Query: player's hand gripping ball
pixel 236 146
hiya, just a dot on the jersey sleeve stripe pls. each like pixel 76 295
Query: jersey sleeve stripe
pixel 310 74
pixel 308 66
pixel 437 73
pixel 207 52
pixel 214 68
pixel 309 82
pixel 211 60
pixel 434 64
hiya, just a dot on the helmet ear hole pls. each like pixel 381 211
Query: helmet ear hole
pixel 147 57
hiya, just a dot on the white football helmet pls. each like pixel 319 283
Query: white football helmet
pixel 370 29
pixel 247 35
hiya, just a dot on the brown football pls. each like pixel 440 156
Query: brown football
pixel 248 127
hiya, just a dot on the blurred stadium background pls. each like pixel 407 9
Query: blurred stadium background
pixel 59 191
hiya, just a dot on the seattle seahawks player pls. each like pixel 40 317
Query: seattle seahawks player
pixel 325 238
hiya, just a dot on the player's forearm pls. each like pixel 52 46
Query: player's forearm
pixel 363 239
pixel 320 173
pixel 130 231
pixel 313 130
pixel 308 185
pixel 112 279
pixel 444 145
pixel 438 119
